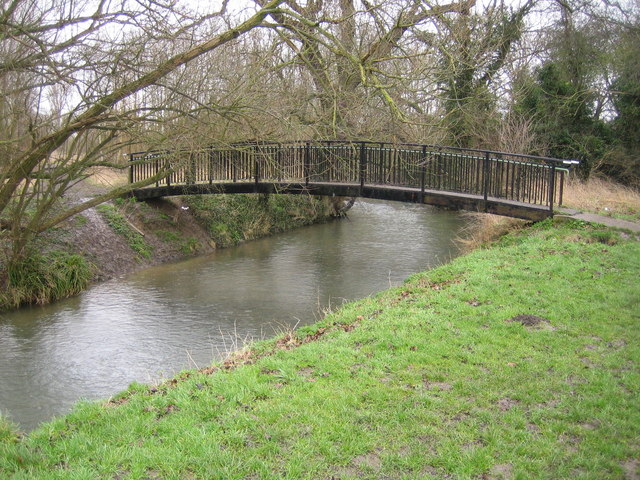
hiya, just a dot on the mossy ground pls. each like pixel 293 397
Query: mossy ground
pixel 515 361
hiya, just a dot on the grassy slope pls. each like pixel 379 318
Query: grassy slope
pixel 429 380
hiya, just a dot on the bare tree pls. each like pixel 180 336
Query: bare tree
pixel 349 49
pixel 80 80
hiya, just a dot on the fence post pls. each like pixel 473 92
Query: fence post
pixel 363 166
pixel 131 168
pixel 552 188
pixel 256 167
pixel 485 174
pixel 168 162
pixel 423 173
pixel 307 163
pixel 156 165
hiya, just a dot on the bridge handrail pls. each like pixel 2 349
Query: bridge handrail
pixel 392 146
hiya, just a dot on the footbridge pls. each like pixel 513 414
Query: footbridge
pixel 509 184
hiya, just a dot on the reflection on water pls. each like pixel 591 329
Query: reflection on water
pixel 167 318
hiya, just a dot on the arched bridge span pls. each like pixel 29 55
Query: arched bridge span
pixel 508 184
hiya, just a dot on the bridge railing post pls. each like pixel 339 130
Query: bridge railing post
pixel 156 168
pixel 256 166
pixel 234 167
pixel 363 166
pixel 485 175
pixel 423 172
pixel 131 168
pixel 552 187
pixel 307 163
pixel 279 161
pixel 210 165
pixel 191 169
pixel 167 167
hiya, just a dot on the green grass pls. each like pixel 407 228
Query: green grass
pixel 187 245
pixel 8 431
pixel 119 224
pixel 80 220
pixel 631 217
pixel 43 278
pixel 434 379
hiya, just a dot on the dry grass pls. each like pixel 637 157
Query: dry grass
pixel 604 197
pixel 597 195
pixel 483 228
pixel 108 177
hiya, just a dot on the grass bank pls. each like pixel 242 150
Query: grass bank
pixel 42 278
pixel 515 361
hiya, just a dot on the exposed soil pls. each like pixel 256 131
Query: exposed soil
pixel 167 226
pixel 97 241
pixel 528 320
pixel 111 254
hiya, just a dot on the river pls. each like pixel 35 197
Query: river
pixel 158 321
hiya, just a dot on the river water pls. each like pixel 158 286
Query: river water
pixel 151 324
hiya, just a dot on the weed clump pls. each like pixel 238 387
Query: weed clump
pixel 8 431
pixel 40 279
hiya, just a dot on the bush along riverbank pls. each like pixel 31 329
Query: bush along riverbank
pixel 119 237
pixel 515 361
